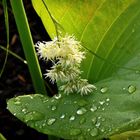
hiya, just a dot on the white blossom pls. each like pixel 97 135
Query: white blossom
pixel 67 55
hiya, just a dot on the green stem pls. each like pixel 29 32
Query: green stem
pixel 28 46
pixel 14 54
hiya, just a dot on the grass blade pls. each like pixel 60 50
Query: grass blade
pixel 28 46
pixel 14 54
pixel 4 2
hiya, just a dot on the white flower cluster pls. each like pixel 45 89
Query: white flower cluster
pixel 66 56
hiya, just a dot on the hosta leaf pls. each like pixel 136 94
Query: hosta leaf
pixel 109 28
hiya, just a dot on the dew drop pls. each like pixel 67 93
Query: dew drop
pixel 62 116
pixel 102 130
pixel 82 120
pixel 72 118
pixel 51 121
pixel 75 102
pixel 107 104
pixel 53 108
pixel 24 110
pixel 93 108
pixel 104 89
pixel 98 124
pixel 82 102
pixel 14 114
pixel 88 130
pixel 94 132
pixel 17 103
pixel 131 89
pixel 34 116
pixel 124 88
pixel 103 109
pixel 107 99
pixel 101 102
pixel 45 100
pixel 75 132
pixel 57 96
pixel 81 111
pixel 94 120
pixel 44 124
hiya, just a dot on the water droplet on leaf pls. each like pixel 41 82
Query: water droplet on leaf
pixel 94 120
pixel 17 103
pixel 93 108
pixel 14 114
pixel 75 132
pixel 124 88
pixel 72 118
pixel 107 99
pixel 94 132
pixel 24 110
pixel 53 108
pixel 103 109
pixel 34 116
pixel 81 111
pixel 51 121
pixel 44 124
pixel 62 116
pixel 107 104
pixel 102 130
pixel 98 124
pixel 131 89
pixel 75 102
pixel 101 102
pixel 45 100
pixel 104 89
pixel 57 96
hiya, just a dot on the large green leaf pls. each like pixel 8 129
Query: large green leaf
pixel 100 115
pixel 109 111
pixel 109 28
